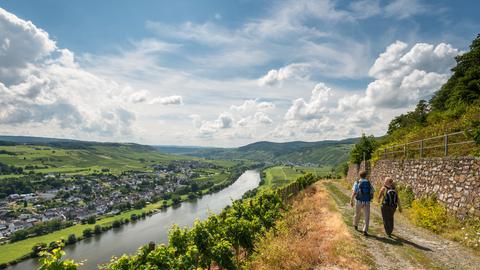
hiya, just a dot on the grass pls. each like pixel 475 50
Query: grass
pixel 281 175
pixel 116 158
pixel 312 235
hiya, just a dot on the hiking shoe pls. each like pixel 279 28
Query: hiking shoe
pixel 389 236
pixel 365 233
pixel 356 228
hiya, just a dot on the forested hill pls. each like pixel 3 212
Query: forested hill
pixel 67 143
pixel 454 107
pixel 323 153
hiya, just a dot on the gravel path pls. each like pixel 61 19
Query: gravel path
pixel 411 247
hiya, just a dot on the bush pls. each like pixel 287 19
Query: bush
pixel 97 229
pixel 37 248
pixel 53 260
pixel 72 238
pixel 191 196
pixel 87 232
pixel 406 196
pixel 91 220
pixel 116 224
pixel 176 199
pixel 18 235
pixel 428 213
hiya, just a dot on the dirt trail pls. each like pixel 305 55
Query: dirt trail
pixel 410 248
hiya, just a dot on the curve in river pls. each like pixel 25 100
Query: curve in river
pixel 128 238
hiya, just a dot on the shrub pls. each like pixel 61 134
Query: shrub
pixel 116 224
pixel 18 235
pixel 91 220
pixel 406 196
pixel 37 248
pixel 428 213
pixel 72 238
pixel 53 260
pixel 97 229
pixel 87 232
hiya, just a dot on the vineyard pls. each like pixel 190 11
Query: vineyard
pixel 224 240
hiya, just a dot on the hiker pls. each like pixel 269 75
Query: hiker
pixel 362 192
pixel 388 194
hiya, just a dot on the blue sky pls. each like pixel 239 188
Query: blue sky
pixel 222 73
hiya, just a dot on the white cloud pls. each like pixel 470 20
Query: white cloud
pixel 263 118
pixel 314 108
pixel 139 96
pixel 404 76
pixel 274 76
pixel 41 84
pixel 243 121
pixel 22 43
pixel 252 105
pixel 170 100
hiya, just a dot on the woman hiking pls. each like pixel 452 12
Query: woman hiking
pixel 388 194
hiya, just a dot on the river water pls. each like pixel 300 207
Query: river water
pixel 127 239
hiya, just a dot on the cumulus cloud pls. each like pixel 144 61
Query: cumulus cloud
pixel 403 76
pixel 139 96
pixel 275 76
pixel 314 108
pixel 171 100
pixel 240 121
pixel 43 84
pixel 142 96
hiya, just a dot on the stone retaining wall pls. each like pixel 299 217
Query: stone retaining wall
pixel 355 169
pixel 454 181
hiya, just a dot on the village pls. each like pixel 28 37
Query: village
pixel 83 197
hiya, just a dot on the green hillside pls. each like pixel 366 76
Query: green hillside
pixel 322 153
pixel 66 156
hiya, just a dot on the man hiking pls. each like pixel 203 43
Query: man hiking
pixel 362 192
pixel 389 197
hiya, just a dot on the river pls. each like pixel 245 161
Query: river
pixel 128 238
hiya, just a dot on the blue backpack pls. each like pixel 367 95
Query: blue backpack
pixel 364 193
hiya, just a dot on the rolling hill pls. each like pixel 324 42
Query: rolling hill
pixel 47 155
pixel 321 153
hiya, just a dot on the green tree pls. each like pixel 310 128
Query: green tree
pixel 37 248
pixel 71 239
pixel 18 235
pixel 175 199
pixel 116 224
pixel 53 260
pixel 365 146
pixel 418 117
pixel 91 219
pixel 87 232
pixel 463 87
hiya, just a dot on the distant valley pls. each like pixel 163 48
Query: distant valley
pixel 322 153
